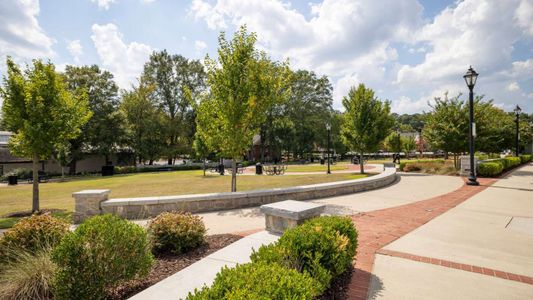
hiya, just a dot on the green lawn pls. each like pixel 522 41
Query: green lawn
pixel 58 195
pixel 316 168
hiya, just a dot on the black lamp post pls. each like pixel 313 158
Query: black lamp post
pixel 328 127
pixel 517 111
pixel 470 78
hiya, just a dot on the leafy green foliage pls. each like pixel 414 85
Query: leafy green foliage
pixel 177 82
pixel 145 122
pixel 394 142
pixel 176 232
pixel 367 120
pixel 33 233
pixel 525 158
pixel 489 169
pixel 244 85
pixel 104 130
pixel 324 247
pixel 259 281
pixel 41 113
pixel 101 253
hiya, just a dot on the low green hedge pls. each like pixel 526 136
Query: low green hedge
pixel 323 247
pixel 418 161
pixel 102 252
pixel 300 265
pixel 176 232
pixel 134 169
pixel 490 169
pixel 526 158
pixel 258 281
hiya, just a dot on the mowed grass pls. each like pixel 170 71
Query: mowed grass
pixel 316 168
pixel 58 195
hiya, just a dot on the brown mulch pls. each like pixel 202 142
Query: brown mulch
pixel 168 264
pixel 339 287
pixel 27 213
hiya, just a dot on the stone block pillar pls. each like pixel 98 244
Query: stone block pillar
pixel 87 203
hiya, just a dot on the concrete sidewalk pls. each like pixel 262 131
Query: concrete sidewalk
pixel 409 189
pixel 481 249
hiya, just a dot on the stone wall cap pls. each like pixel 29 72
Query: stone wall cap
pixel 91 193
pixel 291 209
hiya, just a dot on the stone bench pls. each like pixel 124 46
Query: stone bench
pixel 283 215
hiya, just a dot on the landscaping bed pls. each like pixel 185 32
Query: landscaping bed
pixel 167 264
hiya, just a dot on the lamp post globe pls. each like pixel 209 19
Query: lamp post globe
pixel 328 128
pixel 517 110
pixel 470 79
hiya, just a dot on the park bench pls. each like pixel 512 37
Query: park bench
pixel 43 177
pixel 274 169
pixel 280 216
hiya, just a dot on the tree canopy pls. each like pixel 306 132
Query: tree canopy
pixel 42 114
pixel 367 120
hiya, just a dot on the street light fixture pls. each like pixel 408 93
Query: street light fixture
pixel 517 111
pixel 328 127
pixel 470 79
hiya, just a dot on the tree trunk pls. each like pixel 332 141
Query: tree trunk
pixel 169 161
pixel 234 175
pixel 204 166
pixel 72 167
pixel 361 162
pixel 35 204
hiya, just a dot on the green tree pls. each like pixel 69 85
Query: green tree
pixel 446 126
pixel 177 81
pixel 394 142
pixel 104 130
pixel 367 121
pixel 409 144
pixel 41 113
pixel 144 122
pixel 239 81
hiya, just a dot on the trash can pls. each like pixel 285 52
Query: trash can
pixel 258 169
pixel 108 170
pixel 322 161
pixel 12 180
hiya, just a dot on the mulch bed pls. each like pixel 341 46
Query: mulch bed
pixel 339 287
pixel 168 264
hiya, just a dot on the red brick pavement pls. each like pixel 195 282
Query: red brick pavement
pixel 379 228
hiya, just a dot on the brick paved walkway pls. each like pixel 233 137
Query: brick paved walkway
pixel 378 228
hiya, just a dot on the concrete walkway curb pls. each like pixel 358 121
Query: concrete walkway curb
pixel 204 271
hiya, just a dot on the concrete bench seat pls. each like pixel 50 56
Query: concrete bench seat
pixel 283 215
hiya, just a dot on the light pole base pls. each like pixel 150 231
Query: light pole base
pixel 472 182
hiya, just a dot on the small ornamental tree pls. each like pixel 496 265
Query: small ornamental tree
pixel 367 121
pixel 41 113
pixel 244 85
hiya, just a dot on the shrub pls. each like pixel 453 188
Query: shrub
pixel 512 161
pixel 525 158
pixel 412 167
pixel 490 169
pixel 419 164
pixel 176 232
pixel 154 168
pixel 33 233
pixel 102 252
pixel 27 275
pixel 323 247
pixel 258 281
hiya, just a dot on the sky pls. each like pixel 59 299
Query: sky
pixel 408 51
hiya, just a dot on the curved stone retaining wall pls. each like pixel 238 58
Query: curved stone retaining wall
pixel 139 208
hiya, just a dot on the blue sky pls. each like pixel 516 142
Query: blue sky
pixel 408 51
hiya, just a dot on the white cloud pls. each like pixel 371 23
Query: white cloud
pixel 513 86
pixel 203 10
pixel 103 4
pixel 524 14
pixel 21 36
pixel 124 60
pixel 75 49
pixel 200 45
